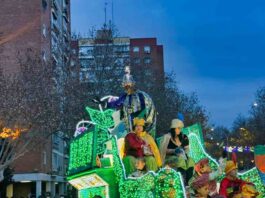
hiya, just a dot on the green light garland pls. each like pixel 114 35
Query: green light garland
pixel 102 137
pixel 253 176
pixel 196 130
pixel 197 151
pixel 103 119
pixel 80 152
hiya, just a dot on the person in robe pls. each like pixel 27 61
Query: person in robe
pixel 140 144
pixel 134 103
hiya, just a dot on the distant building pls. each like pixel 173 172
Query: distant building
pixel 90 48
pixel 141 54
pixel 146 52
pixel 44 27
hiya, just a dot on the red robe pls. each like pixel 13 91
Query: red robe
pixel 228 187
pixel 134 145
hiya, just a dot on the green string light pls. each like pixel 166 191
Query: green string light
pixel 103 119
pixel 80 153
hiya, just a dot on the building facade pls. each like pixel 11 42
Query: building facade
pixel 140 53
pixel 91 50
pixel 44 28
pixel 146 54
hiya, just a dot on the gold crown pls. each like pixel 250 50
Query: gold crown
pixel 138 121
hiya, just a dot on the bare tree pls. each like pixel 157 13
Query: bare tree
pixel 30 104
pixel 169 99
pixel 252 127
pixel 105 65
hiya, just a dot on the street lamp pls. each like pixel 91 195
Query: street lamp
pixel 255 104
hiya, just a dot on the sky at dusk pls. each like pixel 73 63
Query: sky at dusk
pixel 215 47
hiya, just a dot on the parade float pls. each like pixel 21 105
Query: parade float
pixel 96 167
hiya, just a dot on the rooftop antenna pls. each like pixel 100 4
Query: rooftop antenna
pixel 112 12
pixel 105 11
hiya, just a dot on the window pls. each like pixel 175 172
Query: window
pixel 147 60
pixel 147 49
pixel 44 30
pixel 86 63
pixel 72 63
pixel 74 51
pixel 137 61
pixel 54 15
pixel 55 162
pixel 44 4
pixel 86 76
pixel 135 49
pixel 56 140
pixel 44 158
pixel 86 51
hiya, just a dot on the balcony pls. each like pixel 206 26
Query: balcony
pixel 55 4
pixel 55 27
pixel 66 15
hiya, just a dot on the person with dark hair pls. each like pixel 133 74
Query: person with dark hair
pixel 138 144
pixel 175 145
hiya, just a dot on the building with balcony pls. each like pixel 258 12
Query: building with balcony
pixel 43 27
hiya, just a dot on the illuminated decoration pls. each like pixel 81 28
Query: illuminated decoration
pixel 10 133
pixel 165 183
pixel 252 175
pixel 198 152
pixel 246 149
pixel 260 161
pixel 106 176
pixel 150 184
pixel 195 129
pixel 103 119
pixel 81 153
pixel 91 192
pixel 88 181
pixel 90 185
pixel 102 137
pixel 169 184
pixel 82 127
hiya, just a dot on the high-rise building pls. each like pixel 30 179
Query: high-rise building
pixel 140 53
pixel 44 27
pixel 91 49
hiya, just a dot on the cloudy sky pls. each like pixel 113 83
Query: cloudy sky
pixel 216 47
